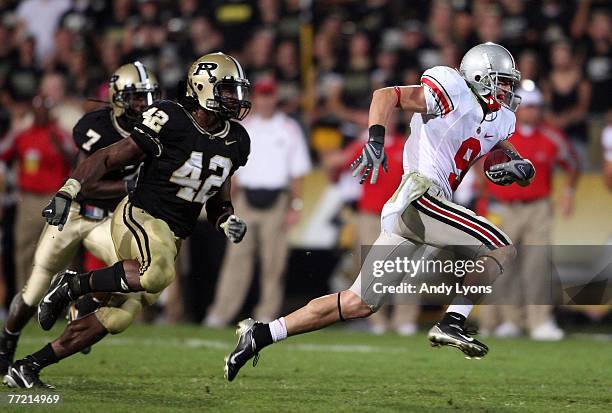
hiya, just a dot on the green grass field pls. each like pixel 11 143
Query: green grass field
pixel 155 369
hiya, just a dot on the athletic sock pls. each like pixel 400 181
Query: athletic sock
pixel 453 318
pixel 460 305
pixel 278 329
pixel 45 356
pixel 262 335
pixel 109 279
pixel 8 342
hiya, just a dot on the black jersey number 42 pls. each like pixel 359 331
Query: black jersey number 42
pixel 188 176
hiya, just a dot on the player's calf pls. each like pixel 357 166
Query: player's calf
pixel 19 315
pixel 318 313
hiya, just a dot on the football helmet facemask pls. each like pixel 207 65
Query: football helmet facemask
pixel 490 70
pixel 132 89
pixel 217 82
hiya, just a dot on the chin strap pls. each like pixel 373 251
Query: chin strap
pixel 492 103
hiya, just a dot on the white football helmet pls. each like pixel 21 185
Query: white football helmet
pixel 491 71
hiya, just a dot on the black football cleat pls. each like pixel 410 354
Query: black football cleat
pixel 245 350
pixel 24 373
pixel 56 300
pixel 454 335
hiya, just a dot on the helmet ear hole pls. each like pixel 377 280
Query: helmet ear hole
pixel 477 78
pixel 200 87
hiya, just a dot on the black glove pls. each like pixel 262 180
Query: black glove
pixel 520 171
pixel 234 228
pixel 56 213
pixel 372 156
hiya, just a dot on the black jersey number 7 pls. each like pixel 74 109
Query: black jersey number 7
pixel 188 177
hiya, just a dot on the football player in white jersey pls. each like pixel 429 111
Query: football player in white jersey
pixel 459 115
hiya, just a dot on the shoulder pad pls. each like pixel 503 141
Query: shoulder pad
pixel 444 86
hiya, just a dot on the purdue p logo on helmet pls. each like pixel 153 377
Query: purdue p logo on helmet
pixel 217 82
pixel 132 88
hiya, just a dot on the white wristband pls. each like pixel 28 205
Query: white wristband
pixel 71 187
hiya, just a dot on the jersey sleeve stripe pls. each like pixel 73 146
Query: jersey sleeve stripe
pixel 440 92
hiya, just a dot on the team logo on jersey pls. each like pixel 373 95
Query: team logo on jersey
pixel 207 67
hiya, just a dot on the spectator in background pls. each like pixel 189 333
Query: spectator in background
pixel 43 154
pixel 568 94
pixel 22 81
pixel 66 111
pixel 288 77
pixel 269 199
pixel 529 63
pixel 598 62
pixel 40 19
pixel 525 215
pixel 350 95
pixel 259 53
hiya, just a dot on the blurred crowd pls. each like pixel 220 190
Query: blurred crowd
pixel 321 60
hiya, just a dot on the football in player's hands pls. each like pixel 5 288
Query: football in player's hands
pixel 496 156
pixel 503 169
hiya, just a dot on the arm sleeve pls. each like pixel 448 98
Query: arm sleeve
pixel 443 86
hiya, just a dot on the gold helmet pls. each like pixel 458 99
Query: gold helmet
pixel 217 82
pixel 132 88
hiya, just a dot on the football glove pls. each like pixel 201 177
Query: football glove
pixel 520 171
pixel 234 228
pixel 56 213
pixel 372 156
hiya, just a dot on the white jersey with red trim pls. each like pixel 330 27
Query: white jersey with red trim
pixel 454 132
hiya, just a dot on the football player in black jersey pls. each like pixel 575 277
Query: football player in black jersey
pixel 189 149
pixel 132 88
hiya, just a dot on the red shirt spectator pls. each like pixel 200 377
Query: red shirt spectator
pixel 42 151
pixel 373 197
pixel 545 146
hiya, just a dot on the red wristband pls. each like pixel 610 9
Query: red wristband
pixel 398 92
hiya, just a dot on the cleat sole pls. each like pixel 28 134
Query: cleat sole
pixel 10 382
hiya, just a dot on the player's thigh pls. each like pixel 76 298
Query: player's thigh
pixel 137 235
pixel 379 268
pixel 99 242
pixel 444 224
pixel 56 248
